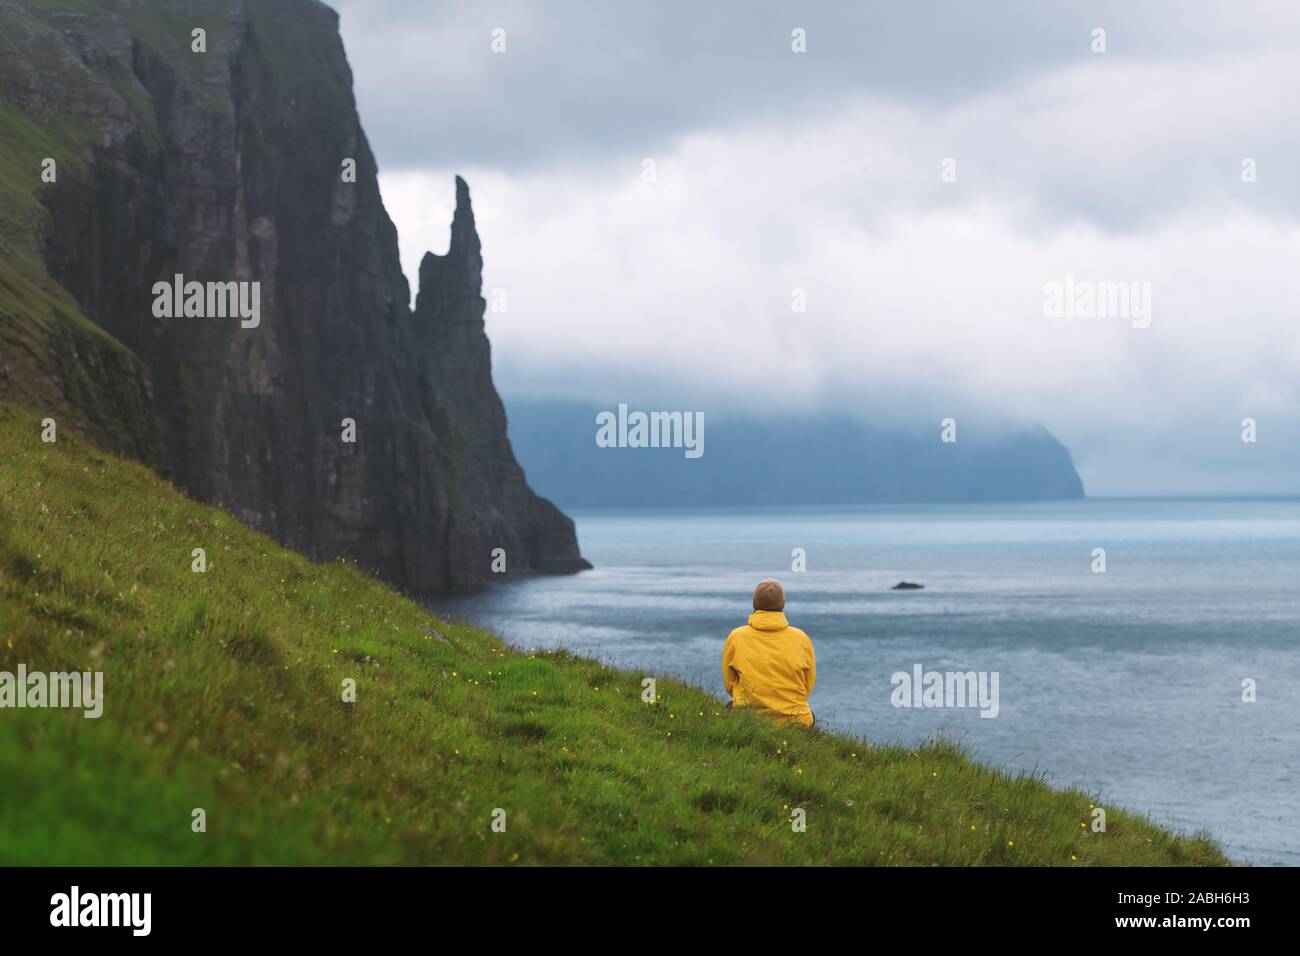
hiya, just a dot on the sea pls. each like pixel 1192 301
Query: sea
pixel 1146 650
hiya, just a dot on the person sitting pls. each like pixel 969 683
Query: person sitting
pixel 769 665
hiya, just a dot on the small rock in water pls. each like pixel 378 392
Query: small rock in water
pixel 907 586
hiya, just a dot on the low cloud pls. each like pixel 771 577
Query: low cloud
pixel 925 296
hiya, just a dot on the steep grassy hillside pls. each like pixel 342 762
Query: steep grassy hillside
pixel 223 691
pixel 51 356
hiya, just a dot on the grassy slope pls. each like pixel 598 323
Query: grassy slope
pixel 223 691
pixel 29 302
pixel 36 314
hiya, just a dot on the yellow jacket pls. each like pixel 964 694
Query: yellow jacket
pixel 769 665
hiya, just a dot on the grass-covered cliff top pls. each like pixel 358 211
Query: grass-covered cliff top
pixel 223 691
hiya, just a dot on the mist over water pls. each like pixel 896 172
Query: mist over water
pixel 1126 682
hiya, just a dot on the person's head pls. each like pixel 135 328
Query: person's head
pixel 769 595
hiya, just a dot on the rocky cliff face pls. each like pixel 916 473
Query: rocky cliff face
pixel 827 460
pixel 228 165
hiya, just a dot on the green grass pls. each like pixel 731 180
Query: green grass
pixel 223 691
pixel 23 148
pixel 41 325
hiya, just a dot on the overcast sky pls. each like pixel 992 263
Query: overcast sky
pixel 822 171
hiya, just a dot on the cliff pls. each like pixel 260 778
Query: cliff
pixel 227 165
pixel 824 460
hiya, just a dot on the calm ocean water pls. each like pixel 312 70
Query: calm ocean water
pixel 1127 682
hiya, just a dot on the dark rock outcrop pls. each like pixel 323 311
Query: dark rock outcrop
pixel 226 166
pixel 825 460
